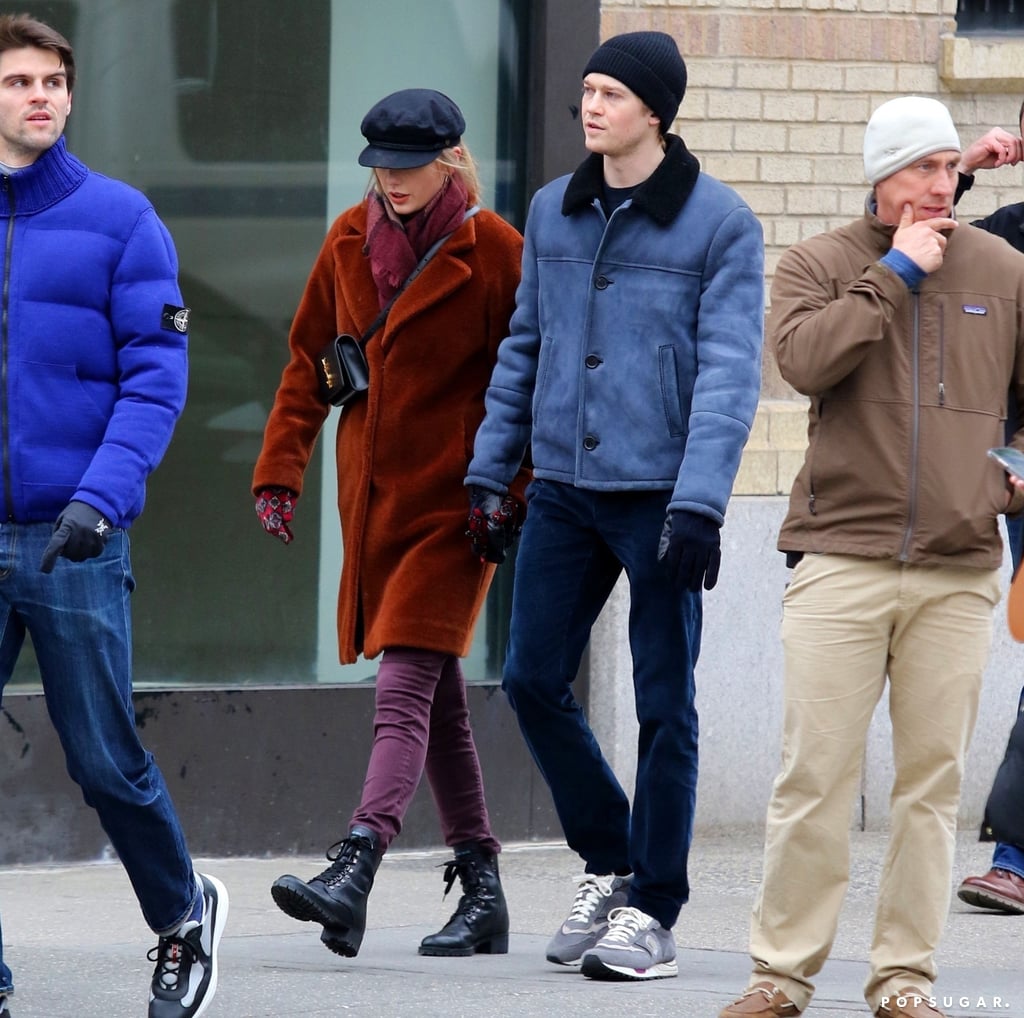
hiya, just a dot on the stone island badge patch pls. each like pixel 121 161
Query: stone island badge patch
pixel 975 309
pixel 174 319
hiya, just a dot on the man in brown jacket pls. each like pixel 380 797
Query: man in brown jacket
pixel 905 332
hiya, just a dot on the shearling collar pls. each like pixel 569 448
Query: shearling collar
pixel 662 195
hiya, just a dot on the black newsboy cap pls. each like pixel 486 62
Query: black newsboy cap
pixel 410 128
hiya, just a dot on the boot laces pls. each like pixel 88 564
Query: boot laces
pixel 770 991
pixel 592 891
pixel 456 869
pixel 624 924
pixel 343 860
pixel 473 897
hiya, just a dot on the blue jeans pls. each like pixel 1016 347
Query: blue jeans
pixel 574 546
pixel 1008 857
pixel 1011 857
pixel 80 622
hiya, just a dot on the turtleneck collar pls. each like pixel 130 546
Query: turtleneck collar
pixel 52 177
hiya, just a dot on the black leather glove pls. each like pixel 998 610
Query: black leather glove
pixel 79 533
pixel 494 523
pixel 691 548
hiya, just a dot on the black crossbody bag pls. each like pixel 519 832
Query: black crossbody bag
pixel 341 368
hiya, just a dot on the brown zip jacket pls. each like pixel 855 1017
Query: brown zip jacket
pixel 908 390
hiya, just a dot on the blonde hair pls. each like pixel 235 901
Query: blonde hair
pixel 459 160
pixel 463 163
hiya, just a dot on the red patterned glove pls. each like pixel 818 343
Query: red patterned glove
pixel 494 523
pixel 276 508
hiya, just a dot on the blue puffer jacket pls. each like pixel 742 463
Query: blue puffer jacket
pixel 634 355
pixel 92 341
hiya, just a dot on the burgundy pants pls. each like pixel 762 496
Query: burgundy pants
pixel 422 723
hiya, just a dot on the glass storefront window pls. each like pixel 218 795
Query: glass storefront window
pixel 240 120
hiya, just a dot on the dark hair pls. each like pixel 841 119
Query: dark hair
pixel 19 31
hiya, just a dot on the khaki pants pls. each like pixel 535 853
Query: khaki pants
pixel 848 623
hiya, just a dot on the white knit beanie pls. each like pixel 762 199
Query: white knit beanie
pixel 903 130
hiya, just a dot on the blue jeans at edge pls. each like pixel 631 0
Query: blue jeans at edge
pixel 574 546
pixel 1010 857
pixel 79 619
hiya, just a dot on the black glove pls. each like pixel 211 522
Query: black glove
pixel 494 523
pixel 80 532
pixel 691 548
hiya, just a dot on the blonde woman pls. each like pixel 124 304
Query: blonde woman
pixel 410 591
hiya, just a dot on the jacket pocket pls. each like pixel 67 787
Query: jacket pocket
pixel 669 374
pixel 544 371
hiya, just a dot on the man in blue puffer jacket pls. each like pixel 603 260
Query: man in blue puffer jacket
pixel 632 370
pixel 93 371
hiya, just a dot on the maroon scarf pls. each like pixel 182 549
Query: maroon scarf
pixel 395 247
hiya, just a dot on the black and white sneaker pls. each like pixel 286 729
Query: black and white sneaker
pixel 185 978
pixel 5 1011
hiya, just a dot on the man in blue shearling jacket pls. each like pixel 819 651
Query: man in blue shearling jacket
pixel 93 373
pixel 632 370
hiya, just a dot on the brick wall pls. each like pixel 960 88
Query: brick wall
pixel 779 92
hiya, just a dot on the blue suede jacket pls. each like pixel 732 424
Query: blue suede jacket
pixel 93 362
pixel 634 355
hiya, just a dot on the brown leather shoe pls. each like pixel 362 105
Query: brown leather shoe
pixel 909 1003
pixel 762 1000
pixel 999 890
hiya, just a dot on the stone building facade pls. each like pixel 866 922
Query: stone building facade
pixel 778 95
pixel 779 92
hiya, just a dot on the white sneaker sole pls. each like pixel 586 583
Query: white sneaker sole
pixel 594 967
pixel 220 921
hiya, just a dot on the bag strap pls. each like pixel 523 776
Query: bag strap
pixel 434 248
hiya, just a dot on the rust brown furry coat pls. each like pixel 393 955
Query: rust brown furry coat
pixel 408 577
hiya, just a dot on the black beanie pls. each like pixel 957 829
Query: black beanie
pixel 647 63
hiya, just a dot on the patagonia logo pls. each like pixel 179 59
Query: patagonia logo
pixel 975 309
pixel 174 319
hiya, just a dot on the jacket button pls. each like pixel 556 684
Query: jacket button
pixel 602 282
pixel 592 361
pixel 590 443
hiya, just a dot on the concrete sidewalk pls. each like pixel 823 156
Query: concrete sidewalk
pixel 77 944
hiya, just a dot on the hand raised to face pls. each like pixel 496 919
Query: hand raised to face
pixel 923 241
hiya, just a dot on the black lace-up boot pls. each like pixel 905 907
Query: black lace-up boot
pixel 480 923
pixel 337 897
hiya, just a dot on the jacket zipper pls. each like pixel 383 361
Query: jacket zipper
pixel 5 417
pixel 942 355
pixel 812 498
pixel 915 431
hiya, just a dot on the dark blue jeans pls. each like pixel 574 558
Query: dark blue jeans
pixel 1011 857
pixel 574 546
pixel 80 622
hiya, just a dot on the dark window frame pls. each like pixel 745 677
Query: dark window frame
pixel 986 17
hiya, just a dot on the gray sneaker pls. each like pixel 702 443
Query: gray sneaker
pixel 595 897
pixel 635 947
